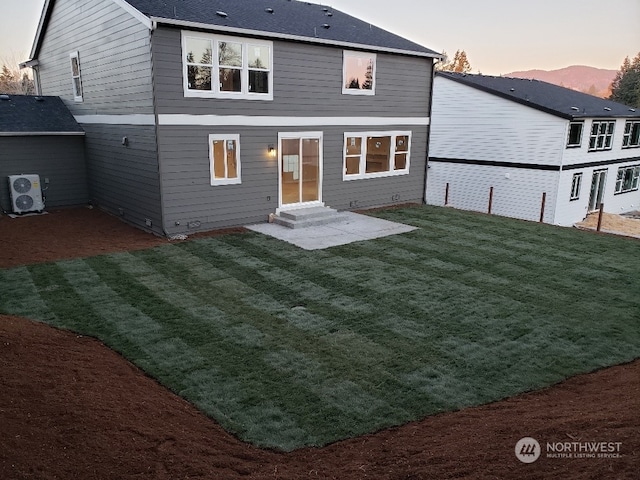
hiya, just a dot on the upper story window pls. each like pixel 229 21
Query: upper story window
pixel 224 157
pixel 76 77
pixel 575 134
pixel 227 67
pixel 627 179
pixel 631 134
pixel 359 73
pixel 376 154
pixel 601 135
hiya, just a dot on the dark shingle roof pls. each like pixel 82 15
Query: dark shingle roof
pixel 553 99
pixel 289 18
pixel 26 114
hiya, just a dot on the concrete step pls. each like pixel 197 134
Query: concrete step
pixel 307 217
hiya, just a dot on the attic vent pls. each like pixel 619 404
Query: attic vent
pixel 268 10
pixel 632 109
pixel 575 108
pixel 38 99
pixel 607 109
pixel 329 14
pixel 222 14
pixel 4 97
pixel 326 25
pixel 512 89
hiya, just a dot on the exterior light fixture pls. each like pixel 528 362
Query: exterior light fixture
pixel 272 150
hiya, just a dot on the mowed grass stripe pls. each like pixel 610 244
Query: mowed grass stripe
pixel 17 284
pixel 202 348
pixel 343 408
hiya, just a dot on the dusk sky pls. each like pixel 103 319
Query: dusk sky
pixel 499 36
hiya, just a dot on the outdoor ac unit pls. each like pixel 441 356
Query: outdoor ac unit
pixel 26 193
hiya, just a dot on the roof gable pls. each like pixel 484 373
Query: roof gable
pixel 284 19
pixel 33 115
pixel 559 101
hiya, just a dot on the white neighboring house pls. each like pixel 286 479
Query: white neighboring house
pixel 526 138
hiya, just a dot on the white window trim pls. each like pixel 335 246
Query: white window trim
pixel 352 91
pixel 598 134
pixel 225 181
pixel 626 140
pixel 575 145
pixel 76 98
pixel 215 84
pixel 319 135
pixel 635 179
pixel 363 154
pixel 576 186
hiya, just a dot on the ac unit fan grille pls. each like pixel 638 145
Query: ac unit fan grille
pixel 22 185
pixel 24 202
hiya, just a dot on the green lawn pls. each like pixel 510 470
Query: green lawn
pixel 287 348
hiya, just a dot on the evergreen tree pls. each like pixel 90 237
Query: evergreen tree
pixel 626 86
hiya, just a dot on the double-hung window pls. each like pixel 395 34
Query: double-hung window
pixel 576 183
pixel 631 136
pixel 224 159
pixel 376 154
pixel 575 134
pixel 601 135
pixel 227 67
pixel 358 73
pixel 76 77
pixel 627 179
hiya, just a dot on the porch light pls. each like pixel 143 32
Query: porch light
pixel 272 150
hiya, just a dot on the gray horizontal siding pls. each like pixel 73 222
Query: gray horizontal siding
pixel 189 197
pixel 115 58
pixel 60 159
pixel 124 177
pixel 307 82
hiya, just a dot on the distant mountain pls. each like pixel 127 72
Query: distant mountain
pixel 595 81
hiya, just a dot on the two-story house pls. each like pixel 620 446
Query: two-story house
pixel 529 147
pixel 200 115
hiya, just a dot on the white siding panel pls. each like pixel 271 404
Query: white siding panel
pixel 570 212
pixel 468 123
pixel 517 192
pixel 579 155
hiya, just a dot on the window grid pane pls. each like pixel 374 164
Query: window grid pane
pixel 601 135
pixel 230 54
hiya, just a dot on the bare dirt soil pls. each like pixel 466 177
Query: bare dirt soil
pixel 70 408
pixel 612 223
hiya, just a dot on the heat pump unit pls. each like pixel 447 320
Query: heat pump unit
pixel 26 193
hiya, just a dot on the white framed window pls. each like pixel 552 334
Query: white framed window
pixel 627 179
pixel 376 154
pixel 631 138
pixel 76 76
pixel 224 159
pixel 576 183
pixel 574 138
pixel 601 135
pixel 358 73
pixel 226 67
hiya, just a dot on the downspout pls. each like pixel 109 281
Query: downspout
pixel 36 79
pixel 426 163
pixel 154 26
